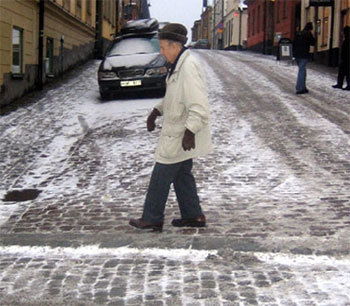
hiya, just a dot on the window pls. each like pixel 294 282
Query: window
pixel 88 12
pixel 66 4
pixel 249 26
pixel 78 8
pixel 258 20
pixel 285 9
pixel 107 10
pixel 49 55
pixel 88 6
pixel 278 11
pixel 128 12
pixel 345 4
pixel 17 50
pixel 113 15
pixel 253 23
pixel 325 26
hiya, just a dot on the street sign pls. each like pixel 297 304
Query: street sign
pixel 220 27
pixel 321 2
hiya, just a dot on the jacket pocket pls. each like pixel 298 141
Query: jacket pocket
pixel 170 146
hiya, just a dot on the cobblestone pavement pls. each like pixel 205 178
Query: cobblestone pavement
pixel 275 193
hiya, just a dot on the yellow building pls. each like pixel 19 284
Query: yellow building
pixel 72 31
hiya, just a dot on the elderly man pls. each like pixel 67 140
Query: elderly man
pixel 185 135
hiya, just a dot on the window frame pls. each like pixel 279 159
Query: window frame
pixel 50 49
pixel 20 51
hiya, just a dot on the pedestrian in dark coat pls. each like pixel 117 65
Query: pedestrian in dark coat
pixel 344 65
pixel 301 50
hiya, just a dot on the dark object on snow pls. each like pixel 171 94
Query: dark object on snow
pixel 21 195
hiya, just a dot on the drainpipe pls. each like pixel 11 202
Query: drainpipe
pixel 41 44
pixel 330 59
pixel 223 25
pixel 61 52
pixel 98 31
pixel 214 24
pixel 240 28
pixel 317 26
pixel 265 26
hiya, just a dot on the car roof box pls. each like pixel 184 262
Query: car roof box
pixel 140 26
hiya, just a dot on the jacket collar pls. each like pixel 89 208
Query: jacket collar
pixel 176 65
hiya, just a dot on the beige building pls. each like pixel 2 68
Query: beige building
pixel 235 25
pixel 230 24
pixel 207 24
pixel 219 8
pixel 70 34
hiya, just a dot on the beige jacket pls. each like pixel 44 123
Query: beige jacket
pixel 185 105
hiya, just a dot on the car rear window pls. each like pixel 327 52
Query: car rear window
pixel 135 45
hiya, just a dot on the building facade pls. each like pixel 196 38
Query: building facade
pixel 227 24
pixel 207 24
pixel 196 30
pixel 271 20
pixel 218 23
pixel 235 26
pixel 329 18
pixel 202 28
pixel 41 39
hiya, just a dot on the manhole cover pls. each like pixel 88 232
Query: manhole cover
pixel 21 195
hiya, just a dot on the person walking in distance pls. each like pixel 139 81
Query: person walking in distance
pixel 185 135
pixel 344 65
pixel 301 49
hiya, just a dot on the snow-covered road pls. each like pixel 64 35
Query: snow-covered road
pixel 275 192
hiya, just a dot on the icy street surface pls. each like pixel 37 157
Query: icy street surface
pixel 276 193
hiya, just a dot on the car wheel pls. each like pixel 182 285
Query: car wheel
pixel 104 96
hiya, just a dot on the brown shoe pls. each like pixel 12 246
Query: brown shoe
pixel 140 223
pixel 193 222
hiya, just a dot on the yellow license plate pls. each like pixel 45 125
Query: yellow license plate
pixel 130 83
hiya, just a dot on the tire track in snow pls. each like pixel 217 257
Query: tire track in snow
pixel 273 119
pixel 332 110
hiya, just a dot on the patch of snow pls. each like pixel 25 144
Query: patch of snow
pixel 96 251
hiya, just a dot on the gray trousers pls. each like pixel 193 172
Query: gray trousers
pixel 163 176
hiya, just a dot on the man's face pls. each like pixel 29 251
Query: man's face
pixel 169 50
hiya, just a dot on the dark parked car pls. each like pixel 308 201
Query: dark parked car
pixel 202 44
pixel 133 63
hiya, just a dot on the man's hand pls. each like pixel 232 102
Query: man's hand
pixel 151 120
pixel 188 142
